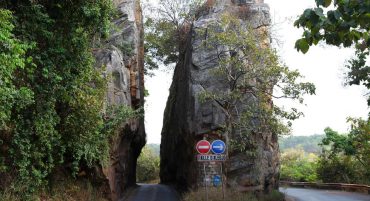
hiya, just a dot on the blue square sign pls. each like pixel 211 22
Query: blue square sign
pixel 216 180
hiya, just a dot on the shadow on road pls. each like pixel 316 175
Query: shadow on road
pixel 152 192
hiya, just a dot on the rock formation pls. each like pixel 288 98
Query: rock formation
pixel 123 62
pixel 187 119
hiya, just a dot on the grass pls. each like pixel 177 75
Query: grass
pixel 215 194
pixel 68 190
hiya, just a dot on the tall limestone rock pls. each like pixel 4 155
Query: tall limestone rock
pixel 123 62
pixel 187 119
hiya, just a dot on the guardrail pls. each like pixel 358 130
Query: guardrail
pixel 330 186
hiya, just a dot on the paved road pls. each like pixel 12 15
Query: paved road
pixel 154 192
pixel 304 194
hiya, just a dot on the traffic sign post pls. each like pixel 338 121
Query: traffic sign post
pixel 218 148
pixel 203 147
pixel 205 180
pixel 222 182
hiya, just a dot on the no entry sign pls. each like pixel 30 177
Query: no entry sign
pixel 203 147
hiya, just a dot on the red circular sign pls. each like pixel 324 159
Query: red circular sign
pixel 203 147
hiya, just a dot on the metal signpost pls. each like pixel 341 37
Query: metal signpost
pixel 203 148
pixel 218 147
pixel 222 183
pixel 205 180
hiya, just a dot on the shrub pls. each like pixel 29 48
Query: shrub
pixel 341 169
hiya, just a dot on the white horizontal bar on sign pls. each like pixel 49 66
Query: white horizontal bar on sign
pixel 211 157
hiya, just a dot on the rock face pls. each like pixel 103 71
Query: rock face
pixel 123 62
pixel 187 119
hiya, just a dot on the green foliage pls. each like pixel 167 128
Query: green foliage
pixel 360 139
pixel 148 165
pixel 296 165
pixel 346 25
pixel 309 144
pixel 340 169
pixel 51 96
pixel 346 158
pixel 117 115
pixel 12 60
pixel 343 159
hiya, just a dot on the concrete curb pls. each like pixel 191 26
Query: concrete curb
pixel 331 186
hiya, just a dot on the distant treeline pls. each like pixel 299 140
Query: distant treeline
pixel 310 144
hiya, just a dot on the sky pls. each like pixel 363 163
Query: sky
pixel 323 65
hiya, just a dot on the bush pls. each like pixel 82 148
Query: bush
pixel 341 169
pixel 296 165
pixel 345 158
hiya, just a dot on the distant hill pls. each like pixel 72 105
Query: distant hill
pixel 308 143
pixel 155 147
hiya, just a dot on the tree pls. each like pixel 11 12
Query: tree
pixel 165 30
pixel 346 158
pixel 254 76
pixel 346 25
pixel 360 139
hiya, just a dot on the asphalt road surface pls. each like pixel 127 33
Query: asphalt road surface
pixel 154 192
pixel 304 194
